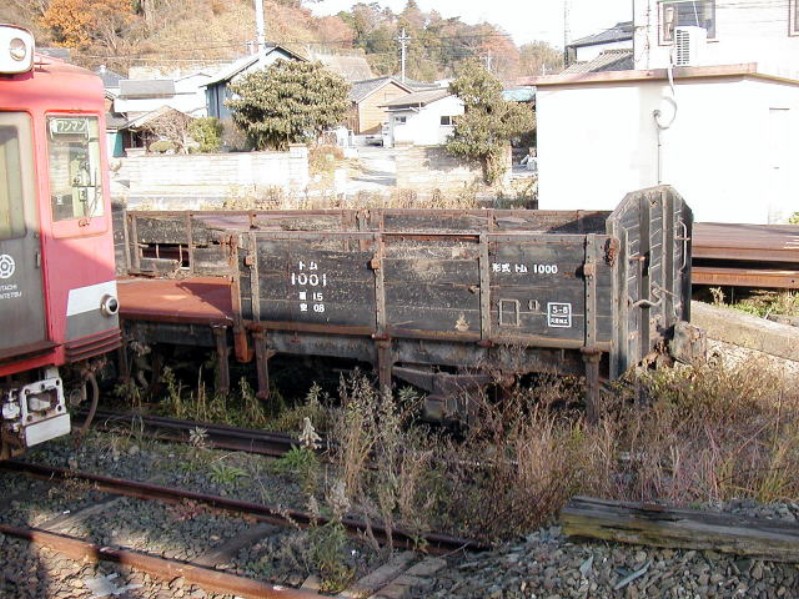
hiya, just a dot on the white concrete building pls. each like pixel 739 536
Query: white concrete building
pixel 724 137
pixel 736 31
pixel 722 127
pixel 423 118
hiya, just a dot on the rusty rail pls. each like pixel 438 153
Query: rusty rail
pixel 435 543
pixel 161 568
pixel 217 436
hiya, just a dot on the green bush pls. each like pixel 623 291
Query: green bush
pixel 207 132
pixel 162 146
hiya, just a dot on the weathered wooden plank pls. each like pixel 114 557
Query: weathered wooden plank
pixel 434 319
pixel 319 313
pixel 439 295
pixel 278 288
pixel 211 260
pixel 163 266
pixel 424 272
pixel 659 526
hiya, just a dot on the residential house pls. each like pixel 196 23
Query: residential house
pixel 721 130
pixel 619 59
pixel 721 31
pixel 368 112
pixel 217 88
pixel 140 96
pixel 585 49
pixel 113 121
pixel 423 118
pixel 350 67
pixel 141 101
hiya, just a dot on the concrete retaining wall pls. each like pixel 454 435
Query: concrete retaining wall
pixel 431 167
pixel 210 177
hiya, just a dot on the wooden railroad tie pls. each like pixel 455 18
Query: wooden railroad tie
pixel 661 526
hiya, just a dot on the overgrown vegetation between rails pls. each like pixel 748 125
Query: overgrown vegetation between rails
pixel 684 436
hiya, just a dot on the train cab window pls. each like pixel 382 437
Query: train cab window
pixel 12 213
pixel 76 190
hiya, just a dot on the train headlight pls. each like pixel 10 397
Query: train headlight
pixel 109 305
pixel 16 50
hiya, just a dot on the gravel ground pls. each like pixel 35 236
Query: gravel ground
pixel 548 565
pixel 545 564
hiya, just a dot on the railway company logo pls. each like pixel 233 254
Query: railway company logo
pixel 7 266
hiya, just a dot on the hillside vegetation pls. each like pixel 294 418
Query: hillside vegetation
pixel 189 34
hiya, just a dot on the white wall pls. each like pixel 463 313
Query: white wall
pixel 423 128
pixel 597 142
pixel 746 31
pixel 193 179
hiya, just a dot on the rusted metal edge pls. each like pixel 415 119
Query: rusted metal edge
pixel 434 543
pixel 745 277
pixel 164 569
pixel 218 436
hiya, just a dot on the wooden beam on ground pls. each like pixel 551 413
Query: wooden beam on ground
pixel 660 526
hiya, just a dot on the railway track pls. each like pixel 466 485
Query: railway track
pixel 741 255
pixel 435 543
pixel 216 568
pixel 215 436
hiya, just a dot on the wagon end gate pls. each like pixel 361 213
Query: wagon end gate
pixel 653 228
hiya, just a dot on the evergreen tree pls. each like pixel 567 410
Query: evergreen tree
pixel 484 131
pixel 288 102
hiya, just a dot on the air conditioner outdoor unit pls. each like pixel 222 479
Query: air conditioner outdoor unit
pixel 689 46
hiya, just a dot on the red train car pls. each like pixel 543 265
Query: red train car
pixel 58 297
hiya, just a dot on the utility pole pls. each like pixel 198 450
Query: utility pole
pixel 403 40
pixel 260 28
pixel 566 31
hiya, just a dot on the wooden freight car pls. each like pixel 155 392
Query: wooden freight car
pixel 439 299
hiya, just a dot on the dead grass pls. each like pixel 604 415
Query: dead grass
pixel 683 436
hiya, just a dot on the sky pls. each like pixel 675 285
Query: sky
pixel 526 20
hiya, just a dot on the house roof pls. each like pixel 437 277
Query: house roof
pixel 609 60
pixel 114 121
pixel 351 68
pixel 418 99
pixel 141 120
pixel 109 77
pixel 230 71
pixel 150 88
pixel 64 54
pixel 363 89
pixel 620 32
pixel 519 94
pixel 732 71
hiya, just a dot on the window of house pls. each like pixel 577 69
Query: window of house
pixel 793 18
pixel 686 13
pixel 446 120
pixel 400 120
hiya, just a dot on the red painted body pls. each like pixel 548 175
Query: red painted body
pixel 75 253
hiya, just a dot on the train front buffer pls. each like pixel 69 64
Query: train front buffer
pixel 33 413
